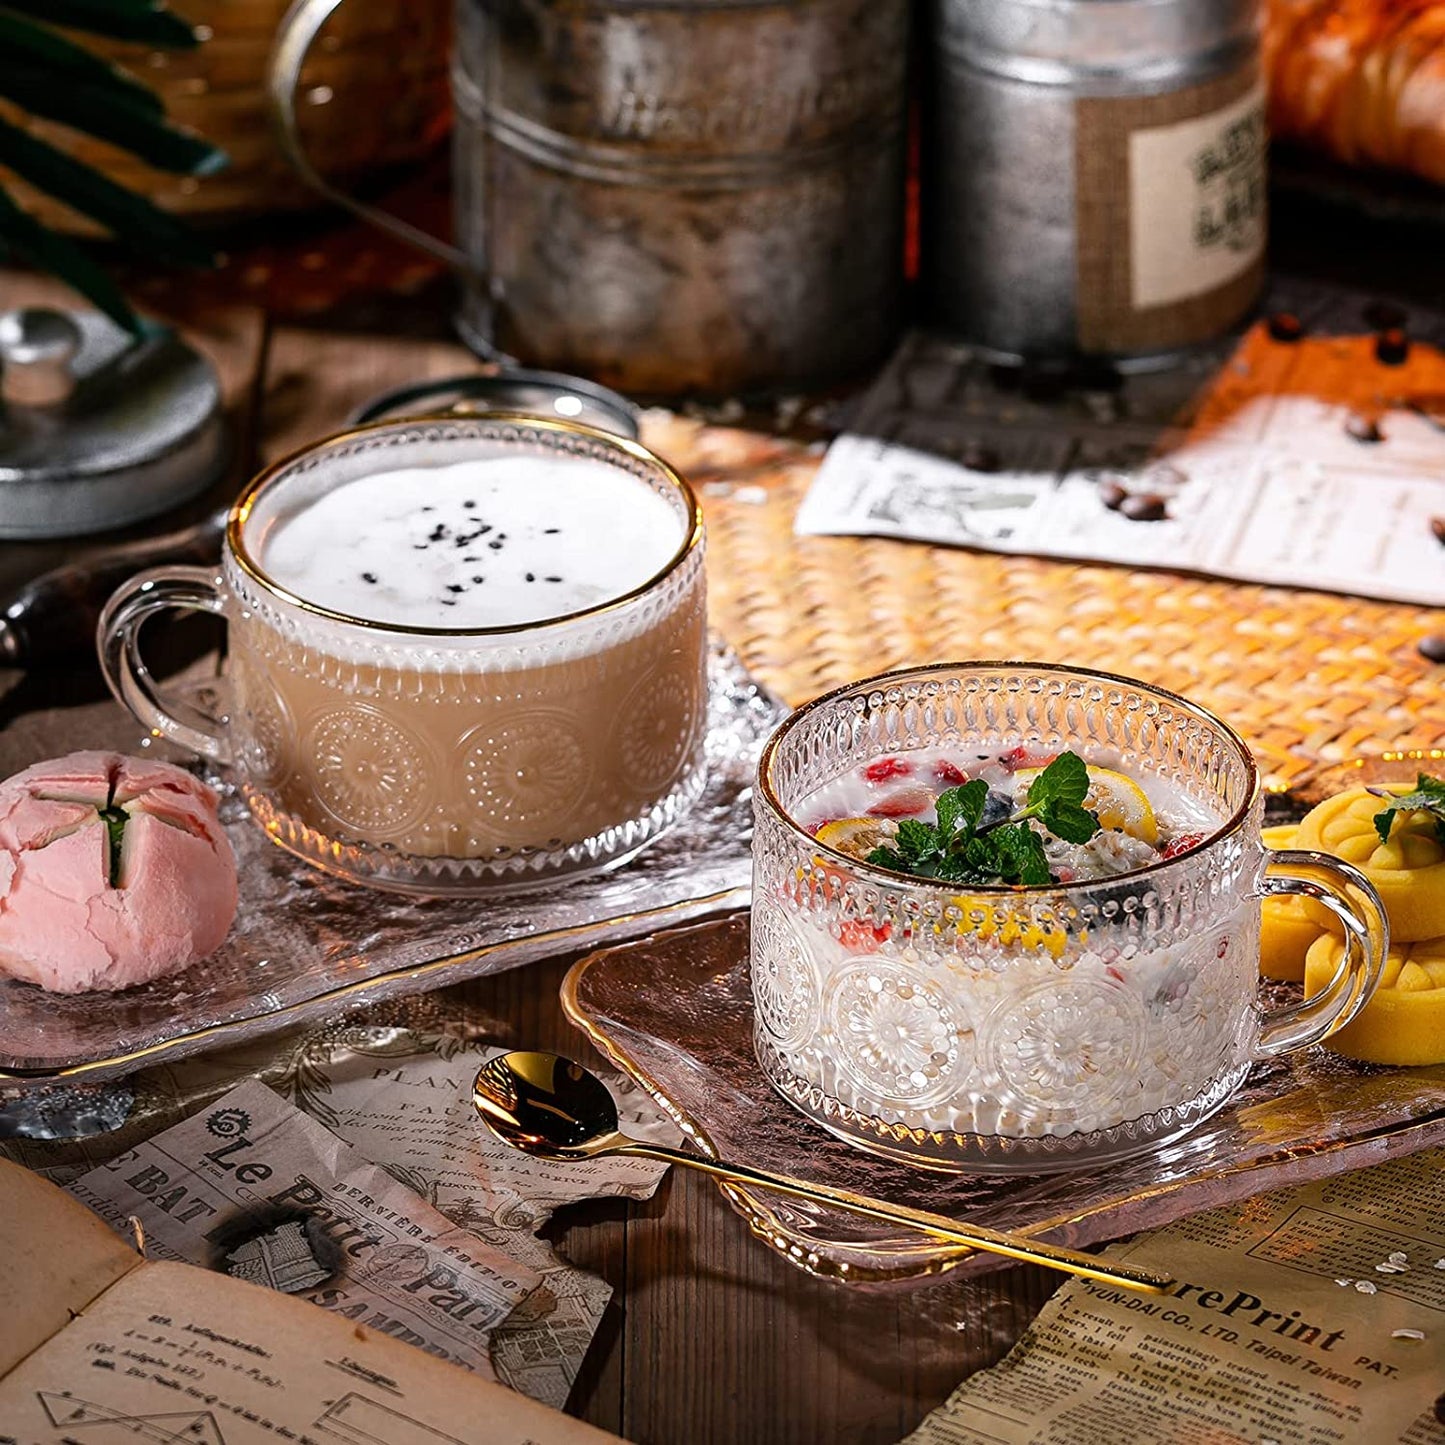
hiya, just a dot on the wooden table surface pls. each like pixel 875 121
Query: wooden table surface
pixel 711 1337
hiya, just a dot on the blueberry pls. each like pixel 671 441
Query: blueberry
pixel 996 807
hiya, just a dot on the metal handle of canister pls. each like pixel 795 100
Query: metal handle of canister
pixel 294 37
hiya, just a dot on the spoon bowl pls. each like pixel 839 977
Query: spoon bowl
pixel 552 1108
pixel 546 1105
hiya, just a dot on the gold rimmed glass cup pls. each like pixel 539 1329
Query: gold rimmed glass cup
pixel 1027 1029
pixel 441 760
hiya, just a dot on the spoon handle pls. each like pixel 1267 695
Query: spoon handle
pixel 978 1236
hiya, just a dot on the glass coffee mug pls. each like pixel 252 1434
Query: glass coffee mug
pixel 1028 1029
pixel 432 759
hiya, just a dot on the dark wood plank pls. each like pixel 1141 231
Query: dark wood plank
pixel 727 1342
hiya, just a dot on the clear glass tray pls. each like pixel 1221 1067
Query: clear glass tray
pixel 305 945
pixel 675 1012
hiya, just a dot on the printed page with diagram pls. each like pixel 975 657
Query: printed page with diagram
pixel 169 1351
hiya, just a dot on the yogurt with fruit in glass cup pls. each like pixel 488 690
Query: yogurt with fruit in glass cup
pixel 1090 1003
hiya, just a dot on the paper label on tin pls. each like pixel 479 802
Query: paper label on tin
pixel 1312 1315
pixel 1170 211
pixel 1197 202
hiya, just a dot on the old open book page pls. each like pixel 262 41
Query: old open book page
pixel 55 1258
pixel 168 1351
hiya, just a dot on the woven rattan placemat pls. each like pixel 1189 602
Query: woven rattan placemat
pixel 1311 679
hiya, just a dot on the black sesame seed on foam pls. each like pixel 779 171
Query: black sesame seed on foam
pixel 442 533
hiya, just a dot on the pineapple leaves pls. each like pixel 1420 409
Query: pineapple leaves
pixel 52 77
pixel 118 209
pixel 139 20
pixel 44 249
pixel 108 114
pixel 41 52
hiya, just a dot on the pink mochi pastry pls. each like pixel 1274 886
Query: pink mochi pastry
pixel 113 871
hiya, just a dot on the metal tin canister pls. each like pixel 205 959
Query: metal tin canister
pixel 682 195
pixel 1093 173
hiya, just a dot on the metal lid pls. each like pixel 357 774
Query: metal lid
pixel 539 393
pixel 98 429
pixel 1123 45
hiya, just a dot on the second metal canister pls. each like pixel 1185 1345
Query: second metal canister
pixel 682 195
pixel 1093 174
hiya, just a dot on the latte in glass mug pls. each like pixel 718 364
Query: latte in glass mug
pixel 464 653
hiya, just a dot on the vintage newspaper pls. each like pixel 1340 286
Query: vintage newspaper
pixel 213 1187
pixel 1302 1317
pixel 112 1348
pixel 399 1093
pixel 1310 465
pixel 404 1101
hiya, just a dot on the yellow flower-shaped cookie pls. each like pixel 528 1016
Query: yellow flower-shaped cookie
pixel 1404 1023
pixel 1408 870
pixel 1287 926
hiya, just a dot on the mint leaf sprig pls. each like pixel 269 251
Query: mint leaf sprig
pixel 962 848
pixel 1428 797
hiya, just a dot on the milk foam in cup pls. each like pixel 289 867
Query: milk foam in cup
pixel 465 653
pixel 494 543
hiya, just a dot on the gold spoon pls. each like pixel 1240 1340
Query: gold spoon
pixel 548 1106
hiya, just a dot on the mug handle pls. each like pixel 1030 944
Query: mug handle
pixel 161 589
pixel 294 37
pixel 1346 893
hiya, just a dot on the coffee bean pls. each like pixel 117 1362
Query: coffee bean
pixel 977 457
pixel 1364 428
pixel 1437 529
pixel 1392 347
pixel 1112 495
pixel 1385 316
pixel 1144 507
pixel 1432 647
pixel 1286 326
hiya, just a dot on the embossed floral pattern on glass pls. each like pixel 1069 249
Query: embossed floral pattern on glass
pixel 1006 1028
pixel 441 763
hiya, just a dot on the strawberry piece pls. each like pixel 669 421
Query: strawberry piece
pixel 1181 844
pixel 949 775
pixel 881 769
pixel 859 936
pixel 1022 757
pixel 909 803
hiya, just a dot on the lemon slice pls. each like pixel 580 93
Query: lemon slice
pixel 1404 1021
pixel 1408 871
pixel 857 837
pixel 1118 801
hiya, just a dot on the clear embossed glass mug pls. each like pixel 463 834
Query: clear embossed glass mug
pixel 1039 1028
pixel 437 760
